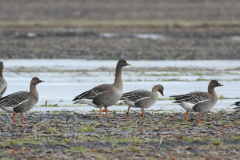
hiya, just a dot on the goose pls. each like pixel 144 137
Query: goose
pixel 3 82
pixel 22 101
pixel 106 94
pixel 237 104
pixel 142 98
pixel 198 101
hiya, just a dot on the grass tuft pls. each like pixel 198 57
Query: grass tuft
pixel 86 129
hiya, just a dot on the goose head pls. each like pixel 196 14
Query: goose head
pixel 158 88
pixel 35 81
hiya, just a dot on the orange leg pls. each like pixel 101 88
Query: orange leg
pixel 22 117
pixel 142 114
pixel 106 112
pixel 14 117
pixel 199 119
pixel 128 111
pixel 185 117
pixel 100 112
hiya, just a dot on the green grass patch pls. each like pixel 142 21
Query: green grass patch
pixel 202 139
pixel 134 140
pixel 215 117
pixel 235 137
pixel 175 126
pixel 135 149
pixel 121 104
pixel 18 141
pixel 186 139
pixel 231 146
pixel 86 129
pixel 221 120
pixel 65 140
pixel 221 97
pixel 80 148
pixel 123 128
pixel 51 129
pixel 216 141
pixel 162 99
pixel 198 73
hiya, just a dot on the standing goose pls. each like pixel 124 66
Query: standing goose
pixel 3 83
pixel 21 101
pixel 106 94
pixel 198 101
pixel 142 98
pixel 237 104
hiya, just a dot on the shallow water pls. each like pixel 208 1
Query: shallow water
pixel 64 86
pixel 72 64
pixel 141 36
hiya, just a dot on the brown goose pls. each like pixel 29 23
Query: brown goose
pixel 142 98
pixel 198 101
pixel 106 94
pixel 237 104
pixel 3 82
pixel 21 101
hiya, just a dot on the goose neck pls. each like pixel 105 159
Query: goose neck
pixel 118 76
pixel 1 72
pixel 212 91
pixel 33 89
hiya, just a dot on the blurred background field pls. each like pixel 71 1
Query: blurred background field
pixel 129 29
pixel 120 10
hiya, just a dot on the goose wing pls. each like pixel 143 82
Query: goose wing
pixel 193 97
pixel 15 100
pixel 237 104
pixel 90 94
pixel 3 86
pixel 136 95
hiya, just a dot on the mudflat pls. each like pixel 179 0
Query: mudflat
pixel 135 42
pixel 137 29
pixel 71 135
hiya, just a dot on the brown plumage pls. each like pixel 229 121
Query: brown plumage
pixel 3 82
pixel 198 101
pixel 106 94
pixel 142 98
pixel 22 101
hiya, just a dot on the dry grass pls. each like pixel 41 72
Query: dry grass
pixel 124 23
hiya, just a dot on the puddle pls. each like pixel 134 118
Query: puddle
pixel 236 38
pixel 150 36
pixel 141 36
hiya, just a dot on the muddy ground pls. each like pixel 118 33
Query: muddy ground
pixel 71 135
pixel 207 10
pixel 187 43
pixel 65 40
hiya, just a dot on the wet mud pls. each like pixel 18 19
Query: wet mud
pixel 136 43
pixel 71 135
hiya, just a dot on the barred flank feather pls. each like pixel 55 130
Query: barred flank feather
pixel 193 97
pixel 136 95
pixel 236 103
pixel 3 86
pixel 16 100
pixel 90 94
pixel 21 101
